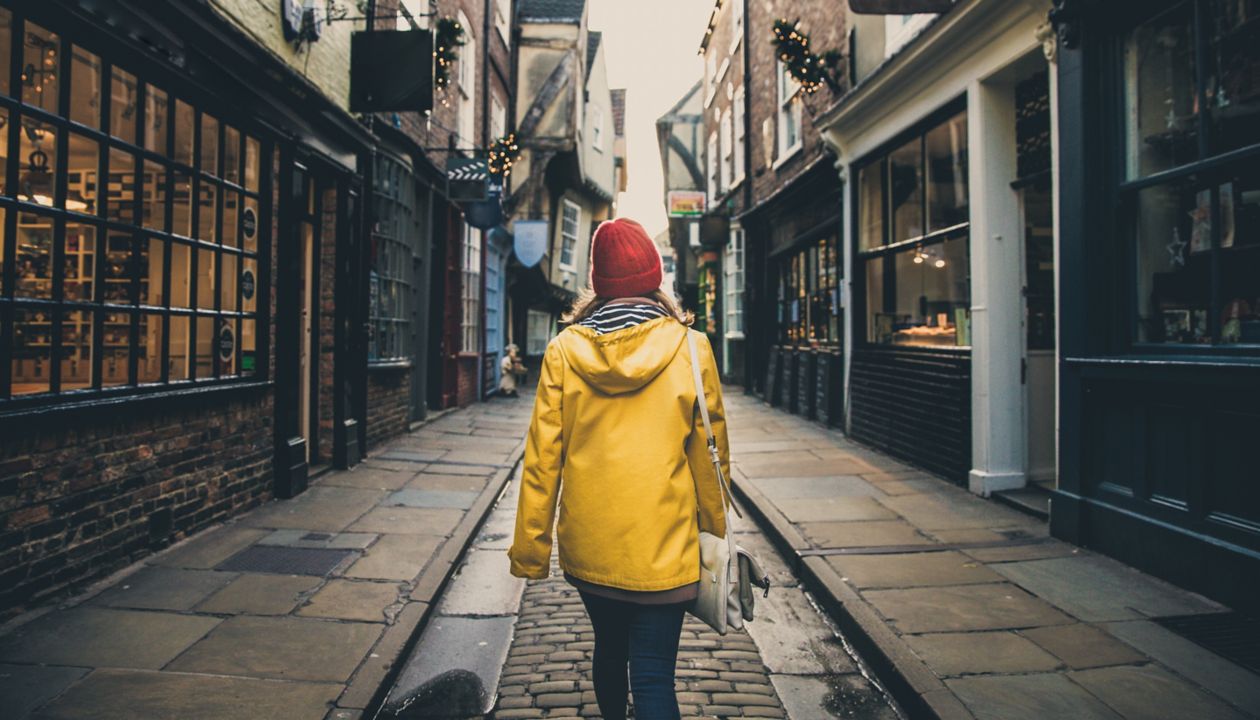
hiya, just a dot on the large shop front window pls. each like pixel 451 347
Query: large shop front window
pixel 393 232
pixel 1191 194
pixel 913 240
pixel 809 294
pixel 133 236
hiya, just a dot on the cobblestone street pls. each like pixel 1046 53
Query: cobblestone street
pixel 548 668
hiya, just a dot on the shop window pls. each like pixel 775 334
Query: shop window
pixel 471 290
pixel 809 294
pixel 393 236
pixel 1191 195
pixel 569 228
pixel 733 283
pixel 912 253
pixel 108 287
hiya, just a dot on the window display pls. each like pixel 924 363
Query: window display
pixel 390 277
pixel 809 294
pixel 913 206
pixel 109 286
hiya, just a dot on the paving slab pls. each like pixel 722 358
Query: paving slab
pixel 1227 680
pixel 102 637
pixel 409 521
pixel 1083 646
pixel 164 588
pixel 1017 553
pixel 953 654
pixel 758 466
pixel 285 648
pixel 464 469
pixel 131 695
pixel 454 669
pixel 911 570
pixel 818 487
pixel 808 697
pixel 355 600
pixel 954 510
pixel 454 483
pixel 255 594
pixel 1047 695
pixel 207 549
pixel 791 640
pixel 998 606
pixel 840 509
pixel 1150 692
pixel 396 557
pixel 308 539
pixel 25 687
pixel 483 586
pixel 875 533
pixel 322 509
pixel 1098 589
pixel 413 497
pixel 368 478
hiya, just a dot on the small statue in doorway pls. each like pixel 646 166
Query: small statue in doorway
pixel 512 371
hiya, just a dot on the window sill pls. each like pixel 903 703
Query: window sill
pixel 787 156
pixel 111 401
pixel 395 364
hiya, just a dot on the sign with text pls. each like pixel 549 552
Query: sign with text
pixel 530 242
pixel 686 203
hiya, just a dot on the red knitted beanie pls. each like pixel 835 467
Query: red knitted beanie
pixel 624 260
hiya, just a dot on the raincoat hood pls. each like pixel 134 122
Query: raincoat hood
pixel 624 360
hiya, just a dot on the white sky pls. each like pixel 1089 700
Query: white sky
pixel 651 49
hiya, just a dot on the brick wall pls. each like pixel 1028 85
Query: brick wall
pixel 389 404
pixel 77 494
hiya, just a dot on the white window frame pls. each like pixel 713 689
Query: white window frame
pixel 503 20
pixel 597 128
pixel 724 141
pixel 711 157
pixel 733 282
pixel 737 23
pixel 470 292
pixel 710 76
pixel 740 136
pixel 467 85
pixel 789 113
pixel 569 240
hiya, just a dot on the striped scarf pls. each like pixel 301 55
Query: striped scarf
pixel 618 316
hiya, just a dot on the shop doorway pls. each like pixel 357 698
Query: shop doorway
pixel 306 337
pixel 1040 381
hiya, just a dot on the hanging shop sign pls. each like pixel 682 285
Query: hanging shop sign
pixel 899 7
pixel 686 203
pixel 249 223
pixel 485 214
pixel 530 241
pixel 227 342
pixel 467 179
pixel 247 284
pixel 391 71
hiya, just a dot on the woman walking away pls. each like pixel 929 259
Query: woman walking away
pixel 616 417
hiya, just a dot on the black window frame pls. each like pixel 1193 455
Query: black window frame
pixel 1122 192
pixel 888 250
pixel 392 240
pixel 137 233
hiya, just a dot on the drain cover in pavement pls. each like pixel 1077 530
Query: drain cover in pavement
pixel 285 560
pixel 1233 636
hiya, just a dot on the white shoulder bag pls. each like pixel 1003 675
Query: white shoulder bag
pixel 727 572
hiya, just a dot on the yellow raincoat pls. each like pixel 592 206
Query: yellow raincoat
pixel 616 417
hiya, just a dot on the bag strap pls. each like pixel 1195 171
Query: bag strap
pixel 703 401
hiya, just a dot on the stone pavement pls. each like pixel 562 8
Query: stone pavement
pixel 964 607
pixel 298 609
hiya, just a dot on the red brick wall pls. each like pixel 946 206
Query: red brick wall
pixel 76 494
pixel 469 390
pixel 389 404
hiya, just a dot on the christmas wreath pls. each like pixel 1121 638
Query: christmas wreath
pixel 503 153
pixel 808 69
pixel 450 36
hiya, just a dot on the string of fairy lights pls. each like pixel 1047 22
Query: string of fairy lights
pixel 811 71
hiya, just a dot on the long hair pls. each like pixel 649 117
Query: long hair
pixel 588 302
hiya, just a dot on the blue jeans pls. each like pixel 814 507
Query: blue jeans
pixel 644 637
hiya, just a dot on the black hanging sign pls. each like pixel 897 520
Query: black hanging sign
pixel 249 223
pixel 391 71
pixel 227 342
pixel 247 284
pixel 899 7
pixel 467 179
